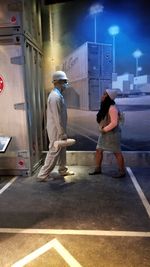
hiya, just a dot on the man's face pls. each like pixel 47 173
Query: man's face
pixel 63 84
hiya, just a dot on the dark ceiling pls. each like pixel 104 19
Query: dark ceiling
pixel 50 2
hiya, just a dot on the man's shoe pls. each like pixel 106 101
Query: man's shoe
pixel 45 179
pixel 95 172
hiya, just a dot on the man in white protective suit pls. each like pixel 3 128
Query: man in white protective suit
pixel 56 128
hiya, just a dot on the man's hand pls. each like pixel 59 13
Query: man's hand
pixel 63 137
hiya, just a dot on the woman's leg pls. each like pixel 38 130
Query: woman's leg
pixel 121 164
pixel 98 159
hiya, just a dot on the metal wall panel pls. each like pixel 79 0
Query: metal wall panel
pixel 10 15
pixel 22 101
pixel 22 97
pixel 12 94
pixel 12 104
pixel 34 99
pixel 32 21
pixel 21 17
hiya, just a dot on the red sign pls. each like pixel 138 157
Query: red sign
pixel 13 20
pixel 1 84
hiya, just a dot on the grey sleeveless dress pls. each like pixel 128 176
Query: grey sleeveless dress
pixel 109 141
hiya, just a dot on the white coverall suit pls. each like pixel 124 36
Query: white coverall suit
pixel 56 129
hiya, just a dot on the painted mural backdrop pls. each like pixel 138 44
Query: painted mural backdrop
pixel 100 45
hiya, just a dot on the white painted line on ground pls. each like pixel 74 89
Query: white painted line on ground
pixel 52 244
pixel 8 184
pixel 74 232
pixel 139 191
pixel 66 254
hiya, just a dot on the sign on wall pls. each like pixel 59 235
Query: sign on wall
pixel 1 84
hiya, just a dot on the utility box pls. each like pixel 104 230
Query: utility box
pixel 22 97
pixel 89 70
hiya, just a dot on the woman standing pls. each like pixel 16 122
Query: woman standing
pixel 110 133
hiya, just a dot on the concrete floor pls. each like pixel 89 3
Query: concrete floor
pixel 88 221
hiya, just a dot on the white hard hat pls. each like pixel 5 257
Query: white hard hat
pixel 112 93
pixel 59 75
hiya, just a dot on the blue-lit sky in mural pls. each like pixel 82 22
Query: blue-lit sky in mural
pixel 72 26
pixel 133 19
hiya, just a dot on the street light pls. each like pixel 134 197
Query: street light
pixel 139 68
pixel 94 10
pixel 137 54
pixel 114 30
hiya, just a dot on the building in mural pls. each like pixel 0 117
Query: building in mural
pixel 128 84
pixel 89 70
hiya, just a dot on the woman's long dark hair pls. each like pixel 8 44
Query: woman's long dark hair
pixel 105 105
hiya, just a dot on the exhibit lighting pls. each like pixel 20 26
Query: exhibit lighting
pixel 114 30
pixel 94 10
